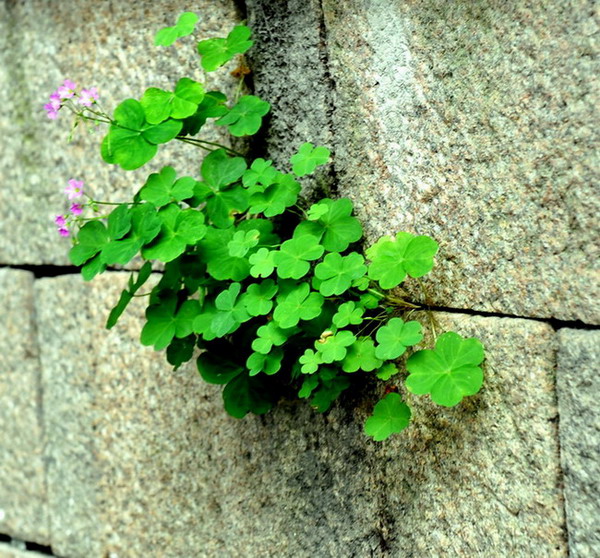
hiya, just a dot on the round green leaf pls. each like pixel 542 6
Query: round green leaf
pixel 390 416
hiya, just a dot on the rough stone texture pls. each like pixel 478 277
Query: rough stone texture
pixel 103 44
pixel 144 461
pixel 476 123
pixel 578 386
pixel 289 65
pixel 23 511
pixel 8 551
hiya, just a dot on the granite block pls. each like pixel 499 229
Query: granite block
pixel 23 510
pixel 578 386
pixel 476 123
pixel 108 45
pixel 144 461
pixel 9 551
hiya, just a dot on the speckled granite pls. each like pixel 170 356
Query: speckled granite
pixel 143 461
pixel 578 385
pixel 476 123
pixel 8 551
pixel 289 63
pixel 23 511
pixel 104 44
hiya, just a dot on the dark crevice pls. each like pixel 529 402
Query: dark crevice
pixel 26 545
pixel 44 270
pixel 555 323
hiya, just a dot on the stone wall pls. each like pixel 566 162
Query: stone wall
pixel 474 122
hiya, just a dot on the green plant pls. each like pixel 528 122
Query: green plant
pixel 256 280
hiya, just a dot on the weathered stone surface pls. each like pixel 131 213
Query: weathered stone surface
pixel 8 551
pixel 476 123
pixel 289 65
pixel 104 44
pixel 144 460
pixel 23 511
pixel 578 386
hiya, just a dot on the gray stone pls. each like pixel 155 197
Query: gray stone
pixel 578 385
pixel 23 511
pixel 8 551
pixel 144 459
pixel 289 65
pixel 104 44
pixel 476 123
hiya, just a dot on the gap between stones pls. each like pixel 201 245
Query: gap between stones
pixel 43 271
pixel 18 544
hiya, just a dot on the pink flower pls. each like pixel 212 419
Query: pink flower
pixel 60 221
pixel 63 231
pixel 66 90
pixel 74 189
pixel 88 97
pixel 76 209
pixel 53 106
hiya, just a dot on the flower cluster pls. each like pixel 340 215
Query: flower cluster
pixel 74 190
pixel 86 98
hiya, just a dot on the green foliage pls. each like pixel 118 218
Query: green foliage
pixel 245 118
pixel 390 416
pixel 308 159
pixel 267 292
pixel 449 372
pixel 184 26
pixel 393 258
pixel 216 52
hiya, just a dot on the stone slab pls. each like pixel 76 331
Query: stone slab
pixel 23 510
pixel 143 461
pixel 290 70
pixel 8 551
pixel 476 123
pixel 104 44
pixel 578 385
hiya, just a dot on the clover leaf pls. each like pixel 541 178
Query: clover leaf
pixel 179 229
pixel 310 361
pixel 216 369
pixel 270 335
pixel 395 337
pixel 231 311
pixel 361 356
pixel 263 263
pixel 331 385
pixel 219 263
pixel 260 172
pixel 298 304
pixel 337 228
pixel 119 222
pixel 276 197
pixel 292 258
pixel 334 347
pixel 92 238
pixel 145 225
pixel 182 102
pixel 161 188
pixel 184 26
pixel 216 52
pixel 337 272
pixel 390 416
pixel 180 350
pixel 131 141
pixel 257 298
pixel 211 106
pixel 449 372
pixel 268 363
pixel 164 321
pixel 241 242
pixel 393 258
pixel 245 118
pixel 220 170
pixel 348 314
pixel 386 371
pixel 316 211
pixel 308 159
